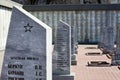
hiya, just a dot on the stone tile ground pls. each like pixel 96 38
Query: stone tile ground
pixel 83 72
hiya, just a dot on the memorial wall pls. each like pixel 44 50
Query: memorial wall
pixel 89 23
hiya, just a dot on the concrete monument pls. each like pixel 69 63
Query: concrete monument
pixel 108 41
pixel 73 46
pixel 62 53
pixel 116 55
pixel 28 49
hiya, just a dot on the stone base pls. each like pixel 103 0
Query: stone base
pixel 73 62
pixel 63 77
pixel 73 59
pixel 76 52
pixel 100 45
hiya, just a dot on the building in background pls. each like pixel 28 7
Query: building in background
pixel 38 2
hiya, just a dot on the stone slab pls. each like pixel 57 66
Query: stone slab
pixel 73 62
pixel 109 40
pixel 28 49
pixel 91 48
pixel 116 55
pixel 93 53
pixel 98 64
pixel 62 49
pixel 63 77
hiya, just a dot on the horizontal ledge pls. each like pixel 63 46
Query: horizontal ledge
pixel 68 7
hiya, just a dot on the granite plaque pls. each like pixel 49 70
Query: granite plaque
pixel 102 38
pixel 74 43
pixel 109 40
pixel 73 46
pixel 62 49
pixel 28 49
pixel 73 40
pixel 116 56
pixel 76 46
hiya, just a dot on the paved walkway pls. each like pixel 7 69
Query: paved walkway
pixel 83 72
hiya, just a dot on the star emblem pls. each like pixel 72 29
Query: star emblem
pixel 28 28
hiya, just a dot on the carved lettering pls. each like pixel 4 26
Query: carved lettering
pixel 14 78
pixel 18 66
pixel 16 73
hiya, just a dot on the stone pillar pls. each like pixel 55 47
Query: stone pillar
pixel 62 53
pixel 116 56
pixel 28 53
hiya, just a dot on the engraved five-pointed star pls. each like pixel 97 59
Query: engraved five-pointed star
pixel 28 28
